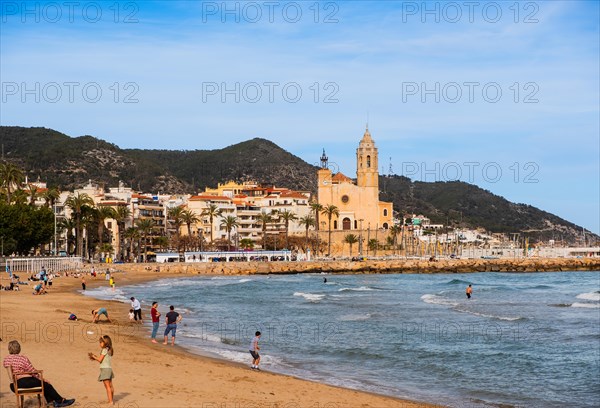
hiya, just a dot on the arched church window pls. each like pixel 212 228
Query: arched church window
pixel 346 223
pixel 385 225
pixel 335 225
pixel 385 212
pixel 368 161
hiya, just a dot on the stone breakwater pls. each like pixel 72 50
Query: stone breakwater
pixel 373 266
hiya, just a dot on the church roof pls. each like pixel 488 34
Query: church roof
pixel 367 136
pixel 341 178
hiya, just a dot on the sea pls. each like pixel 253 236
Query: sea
pixel 522 340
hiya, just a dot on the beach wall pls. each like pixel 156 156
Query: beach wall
pixel 372 266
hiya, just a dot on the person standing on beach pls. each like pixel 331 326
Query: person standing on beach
pixel 172 319
pixel 469 291
pixel 254 348
pixel 111 283
pixel 106 372
pixel 137 309
pixel 155 320
pixel 83 284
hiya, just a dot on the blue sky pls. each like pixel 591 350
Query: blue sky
pixel 501 94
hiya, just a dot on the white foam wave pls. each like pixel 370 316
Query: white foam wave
pixel 437 300
pixel 359 289
pixel 312 297
pixel 586 305
pixel 590 296
pixel 244 280
pixel 355 317
pixel 490 316
pixel 204 337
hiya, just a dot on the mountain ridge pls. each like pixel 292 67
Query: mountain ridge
pixel 69 162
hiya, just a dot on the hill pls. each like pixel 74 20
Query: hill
pixel 68 163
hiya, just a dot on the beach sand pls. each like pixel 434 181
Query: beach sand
pixel 146 374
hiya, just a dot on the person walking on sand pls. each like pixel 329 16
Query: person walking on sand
pixel 106 373
pixel 469 291
pixel 111 283
pixel 254 348
pixel 155 320
pixel 19 365
pixel 83 284
pixel 137 308
pixel 172 319
pixel 97 312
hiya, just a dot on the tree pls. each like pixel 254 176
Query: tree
pixel 24 227
pixel 330 210
pixel 264 218
pixel 316 209
pixel 175 217
pixel 189 217
pixel 287 216
pixel 145 227
pixel 132 234
pixel 103 213
pixel 76 203
pixel 211 212
pixel 50 197
pixel 230 222
pixel 307 221
pixel 350 239
pixel 373 244
pixel 246 243
pixel 394 230
pixel 10 175
pixel 33 192
pixel 19 197
pixel 122 214
pixel 68 225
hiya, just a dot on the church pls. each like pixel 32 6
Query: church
pixel 358 204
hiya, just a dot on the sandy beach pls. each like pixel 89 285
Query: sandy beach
pixel 146 374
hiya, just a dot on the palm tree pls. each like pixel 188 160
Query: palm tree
pixel 67 224
pixel 103 213
pixel 351 239
pixel 88 219
pixel 287 216
pixel 211 212
pixel 373 244
pixel 174 215
pixel 122 214
pixel 132 235
pixel 189 217
pixel 394 230
pixel 33 192
pixel 145 227
pixel 246 243
pixel 316 209
pixel 307 221
pixel 330 210
pixel 19 196
pixel 264 218
pixel 51 196
pixel 76 203
pixel 230 222
pixel 10 175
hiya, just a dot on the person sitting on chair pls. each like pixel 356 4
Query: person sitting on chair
pixel 20 366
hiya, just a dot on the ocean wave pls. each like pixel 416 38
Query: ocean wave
pixel 438 300
pixel 312 297
pixel 490 316
pixel 359 289
pixel 589 296
pixel 586 305
pixel 244 280
pixel 458 281
pixel 355 317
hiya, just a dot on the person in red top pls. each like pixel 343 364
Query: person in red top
pixel 20 365
pixel 155 320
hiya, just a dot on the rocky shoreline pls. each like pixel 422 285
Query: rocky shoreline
pixel 373 266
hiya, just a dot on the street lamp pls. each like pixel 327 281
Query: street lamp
pixel 360 239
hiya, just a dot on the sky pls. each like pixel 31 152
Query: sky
pixel 504 95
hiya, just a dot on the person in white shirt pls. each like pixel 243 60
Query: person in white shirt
pixel 137 309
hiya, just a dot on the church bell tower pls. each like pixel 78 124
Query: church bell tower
pixel 367 174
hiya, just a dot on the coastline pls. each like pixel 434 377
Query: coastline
pixel 146 374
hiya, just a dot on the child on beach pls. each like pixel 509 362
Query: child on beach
pixel 131 315
pixel 254 351
pixel 105 360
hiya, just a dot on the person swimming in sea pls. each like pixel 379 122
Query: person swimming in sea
pixel 469 291
pixel 324 280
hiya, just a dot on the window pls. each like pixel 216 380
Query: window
pixel 385 225
pixel 385 212
pixel 368 161
pixel 355 224
pixel 335 225
pixel 346 223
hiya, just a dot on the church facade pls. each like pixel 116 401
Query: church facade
pixel 358 203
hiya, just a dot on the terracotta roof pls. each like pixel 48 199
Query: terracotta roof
pixel 209 198
pixel 341 178
pixel 293 194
